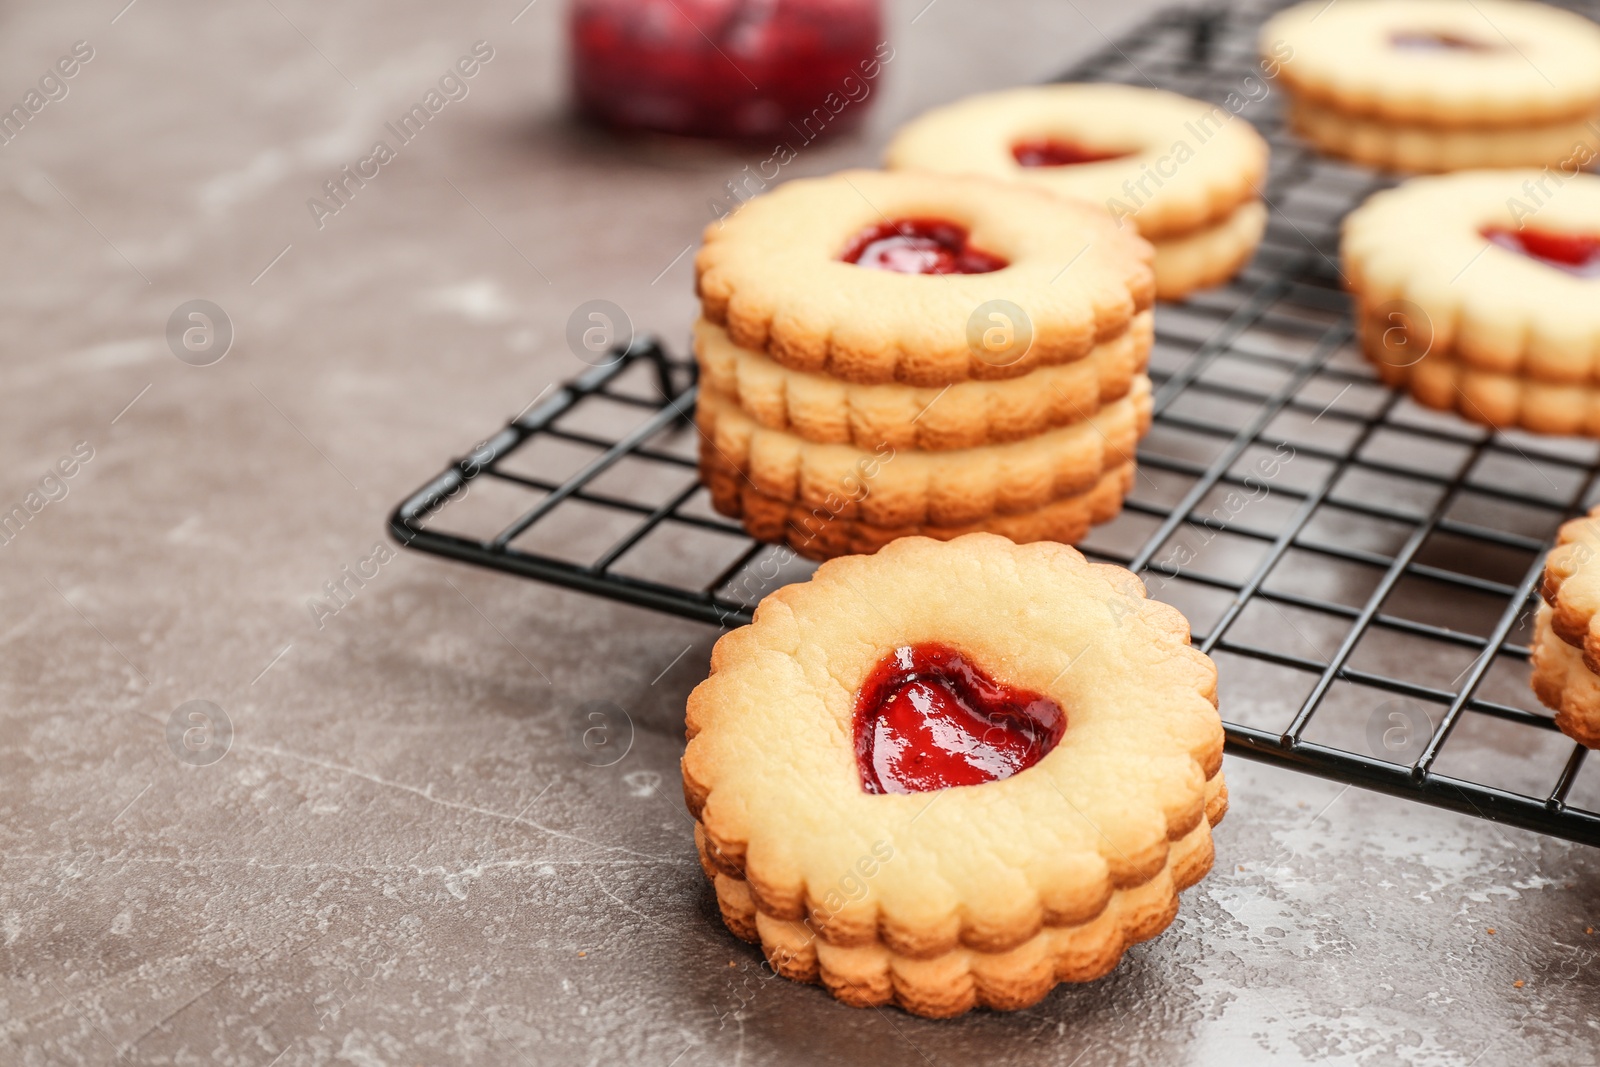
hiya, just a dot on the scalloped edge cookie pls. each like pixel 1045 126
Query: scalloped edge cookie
pixel 1429 149
pixel 815 533
pixel 1224 170
pixel 1419 244
pixel 1564 683
pixel 963 415
pixel 771 276
pixel 1119 810
pixel 1571 586
pixel 889 487
pixel 1340 55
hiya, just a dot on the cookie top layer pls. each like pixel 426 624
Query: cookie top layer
pixel 1179 164
pixel 773 276
pixel 1440 62
pixel 1445 246
pixel 771 768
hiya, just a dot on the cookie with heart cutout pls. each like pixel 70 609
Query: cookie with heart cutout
pixel 964 415
pixel 1495 270
pixel 923 279
pixel 886 487
pixel 1186 173
pixel 953 774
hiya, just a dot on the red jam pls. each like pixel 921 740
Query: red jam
pixel 928 719
pixel 919 246
pixel 1427 41
pixel 1575 253
pixel 1049 152
pixel 764 70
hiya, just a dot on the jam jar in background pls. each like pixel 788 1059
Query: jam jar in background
pixel 745 70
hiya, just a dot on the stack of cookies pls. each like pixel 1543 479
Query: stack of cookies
pixel 887 354
pixel 1185 174
pixel 1437 85
pixel 1479 292
pixel 1566 643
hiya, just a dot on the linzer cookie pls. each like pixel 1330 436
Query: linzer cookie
pixel 964 415
pixel 1435 85
pixel 994 779
pixel 893 354
pixel 1188 174
pixel 1480 292
pixel 889 488
pixel 1566 646
pixel 874 277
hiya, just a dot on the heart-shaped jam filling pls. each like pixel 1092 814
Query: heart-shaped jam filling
pixel 1575 253
pixel 919 246
pixel 1428 41
pixel 927 718
pixel 1049 152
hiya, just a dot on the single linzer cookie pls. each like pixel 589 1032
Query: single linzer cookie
pixel 1565 684
pixel 1441 84
pixel 888 487
pixel 817 532
pixel 922 279
pixel 995 779
pixel 1480 292
pixel 963 415
pixel 1187 173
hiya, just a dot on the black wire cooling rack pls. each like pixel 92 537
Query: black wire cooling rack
pixel 1363 571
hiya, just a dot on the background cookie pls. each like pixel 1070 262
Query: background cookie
pixel 1443 63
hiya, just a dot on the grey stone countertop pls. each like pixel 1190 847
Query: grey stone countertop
pixel 401 858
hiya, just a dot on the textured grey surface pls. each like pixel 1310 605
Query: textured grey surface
pixel 404 857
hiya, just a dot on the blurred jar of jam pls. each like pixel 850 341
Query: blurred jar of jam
pixel 731 69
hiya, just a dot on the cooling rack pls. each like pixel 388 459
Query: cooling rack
pixel 1362 570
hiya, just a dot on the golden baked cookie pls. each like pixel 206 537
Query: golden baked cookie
pixel 888 487
pixel 1498 270
pixel 923 279
pixel 1421 147
pixel 1122 132
pixel 963 415
pixel 1571 586
pixel 1188 173
pixel 815 532
pixel 1440 63
pixel 953 774
pixel 1565 684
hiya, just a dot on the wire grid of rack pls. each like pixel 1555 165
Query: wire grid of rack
pixel 1363 571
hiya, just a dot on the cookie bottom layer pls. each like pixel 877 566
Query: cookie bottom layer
pixel 906 488
pixel 933 419
pixel 1503 401
pixel 1563 684
pixel 1417 147
pixel 815 533
pixel 962 979
pixel 1210 255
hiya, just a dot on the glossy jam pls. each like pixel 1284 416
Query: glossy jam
pixel 1427 41
pixel 1575 253
pixel 919 246
pixel 767 70
pixel 1048 152
pixel 928 718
